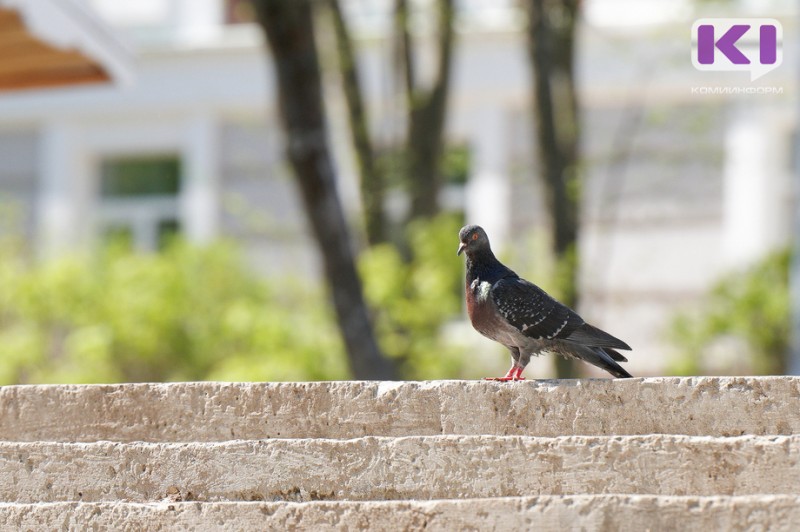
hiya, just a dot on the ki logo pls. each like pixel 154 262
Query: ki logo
pixel 737 44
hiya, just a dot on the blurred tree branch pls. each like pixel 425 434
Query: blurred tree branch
pixel 426 109
pixel 373 182
pixel 289 30
pixel 425 117
pixel 551 43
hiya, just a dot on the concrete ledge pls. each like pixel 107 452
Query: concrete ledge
pixel 605 512
pixel 182 412
pixel 428 467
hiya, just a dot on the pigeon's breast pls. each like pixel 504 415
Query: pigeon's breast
pixel 484 315
pixel 478 299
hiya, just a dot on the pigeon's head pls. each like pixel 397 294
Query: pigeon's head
pixel 472 238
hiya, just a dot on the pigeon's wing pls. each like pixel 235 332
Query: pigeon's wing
pixel 531 310
pixel 537 315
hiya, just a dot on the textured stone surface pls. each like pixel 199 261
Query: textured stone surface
pixel 609 512
pixel 640 454
pixel 714 406
pixel 426 467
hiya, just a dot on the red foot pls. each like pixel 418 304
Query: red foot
pixel 514 374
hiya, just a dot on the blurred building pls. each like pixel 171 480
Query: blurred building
pixel 681 184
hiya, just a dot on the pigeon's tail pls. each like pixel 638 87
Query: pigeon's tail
pixel 602 357
pixel 611 366
pixel 616 355
pixel 590 335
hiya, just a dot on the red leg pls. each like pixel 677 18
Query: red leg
pixel 509 376
pixel 514 374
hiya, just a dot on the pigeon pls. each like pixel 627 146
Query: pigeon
pixel 524 318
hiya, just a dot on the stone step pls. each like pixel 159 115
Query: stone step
pixel 207 412
pixel 416 467
pixel 595 512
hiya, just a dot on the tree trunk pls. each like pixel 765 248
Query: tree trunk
pixel 426 116
pixel 373 186
pixel 551 47
pixel 288 27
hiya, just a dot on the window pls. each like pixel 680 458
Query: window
pixel 138 201
pixel 123 178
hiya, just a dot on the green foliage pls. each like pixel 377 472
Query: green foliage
pixel 192 313
pixel 751 305
pixel 187 313
pixel 413 300
pixel 456 162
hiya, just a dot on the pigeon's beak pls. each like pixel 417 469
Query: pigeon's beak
pixel 461 247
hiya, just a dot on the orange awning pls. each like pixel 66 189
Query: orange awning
pixel 49 44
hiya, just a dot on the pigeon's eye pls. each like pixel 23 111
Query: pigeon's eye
pixel 474 236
